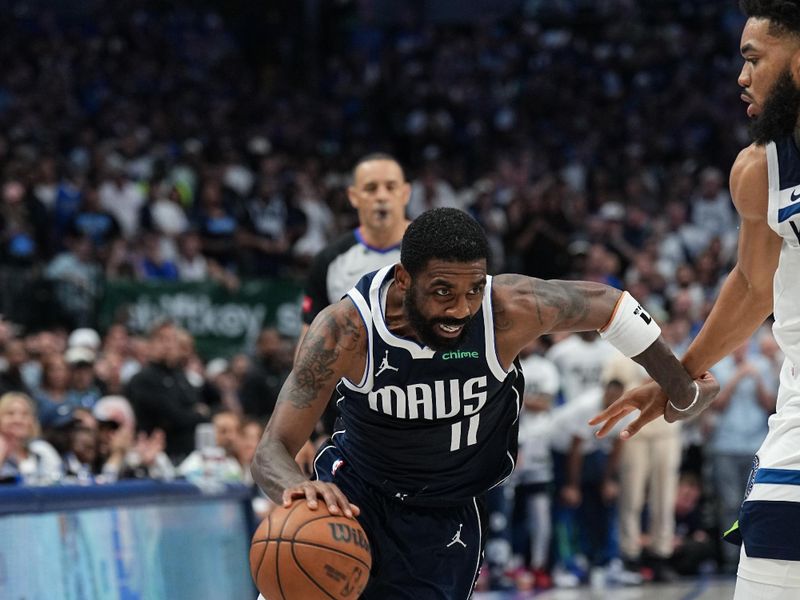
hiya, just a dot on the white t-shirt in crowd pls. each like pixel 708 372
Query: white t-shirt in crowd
pixel 580 363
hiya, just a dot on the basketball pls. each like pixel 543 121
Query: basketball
pixel 302 554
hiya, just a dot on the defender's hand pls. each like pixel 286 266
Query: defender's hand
pixel 329 492
pixel 649 398
pixel 653 403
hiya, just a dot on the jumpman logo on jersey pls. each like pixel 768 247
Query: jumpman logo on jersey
pixel 384 366
pixel 457 537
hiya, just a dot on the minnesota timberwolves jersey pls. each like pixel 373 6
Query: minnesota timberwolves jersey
pixel 783 164
pixel 769 520
pixel 425 426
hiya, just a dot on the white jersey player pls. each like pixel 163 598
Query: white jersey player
pixel 765 186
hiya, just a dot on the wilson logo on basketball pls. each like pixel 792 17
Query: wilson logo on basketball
pixel 349 535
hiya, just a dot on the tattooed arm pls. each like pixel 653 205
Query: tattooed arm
pixel 334 347
pixel 525 308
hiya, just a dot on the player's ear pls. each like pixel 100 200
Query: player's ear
pixel 402 277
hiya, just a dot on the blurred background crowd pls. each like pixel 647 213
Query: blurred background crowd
pixel 191 142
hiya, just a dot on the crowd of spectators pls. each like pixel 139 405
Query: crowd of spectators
pixel 143 143
pixel 590 140
pixel 84 409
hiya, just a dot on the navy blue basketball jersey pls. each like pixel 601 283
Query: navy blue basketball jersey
pixel 426 426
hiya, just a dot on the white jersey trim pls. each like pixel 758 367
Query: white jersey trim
pixel 775 492
pixel 324 450
pixel 479 558
pixel 492 360
pixel 365 385
pixel 774 186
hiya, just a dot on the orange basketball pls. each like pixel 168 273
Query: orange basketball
pixel 303 554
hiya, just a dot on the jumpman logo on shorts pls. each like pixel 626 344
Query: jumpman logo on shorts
pixel 457 537
pixel 385 366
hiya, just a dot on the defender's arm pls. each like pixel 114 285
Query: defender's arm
pixel 745 299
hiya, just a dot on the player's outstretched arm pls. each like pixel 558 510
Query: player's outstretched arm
pixel 744 302
pixel 527 307
pixel 334 347
pixel 745 299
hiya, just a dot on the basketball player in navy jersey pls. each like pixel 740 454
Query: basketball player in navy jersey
pixel 765 187
pixel 422 355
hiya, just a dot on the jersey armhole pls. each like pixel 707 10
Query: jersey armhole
pixel 365 385
pixel 774 186
pixel 492 358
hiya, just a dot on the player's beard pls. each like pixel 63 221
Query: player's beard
pixel 781 109
pixel 426 328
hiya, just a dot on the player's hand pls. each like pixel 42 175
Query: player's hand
pixel 649 398
pixel 330 493
pixel 653 403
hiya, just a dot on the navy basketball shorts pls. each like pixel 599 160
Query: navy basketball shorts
pixel 418 553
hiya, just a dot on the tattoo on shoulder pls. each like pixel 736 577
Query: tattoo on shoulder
pixel 336 332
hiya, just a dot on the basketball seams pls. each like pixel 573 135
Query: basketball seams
pixel 278 545
pixel 300 566
pixel 263 552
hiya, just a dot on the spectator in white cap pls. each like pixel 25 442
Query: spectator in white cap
pixel 84 337
pixel 122 453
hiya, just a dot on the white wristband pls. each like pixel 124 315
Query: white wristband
pixel 694 401
pixel 631 329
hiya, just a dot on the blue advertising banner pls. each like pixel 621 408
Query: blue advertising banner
pixel 190 549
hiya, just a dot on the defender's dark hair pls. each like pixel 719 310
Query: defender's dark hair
pixel 784 15
pixel 445 234
pixel 376 156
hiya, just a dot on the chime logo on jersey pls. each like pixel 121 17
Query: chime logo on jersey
pixel 441 399
pixel 456 354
